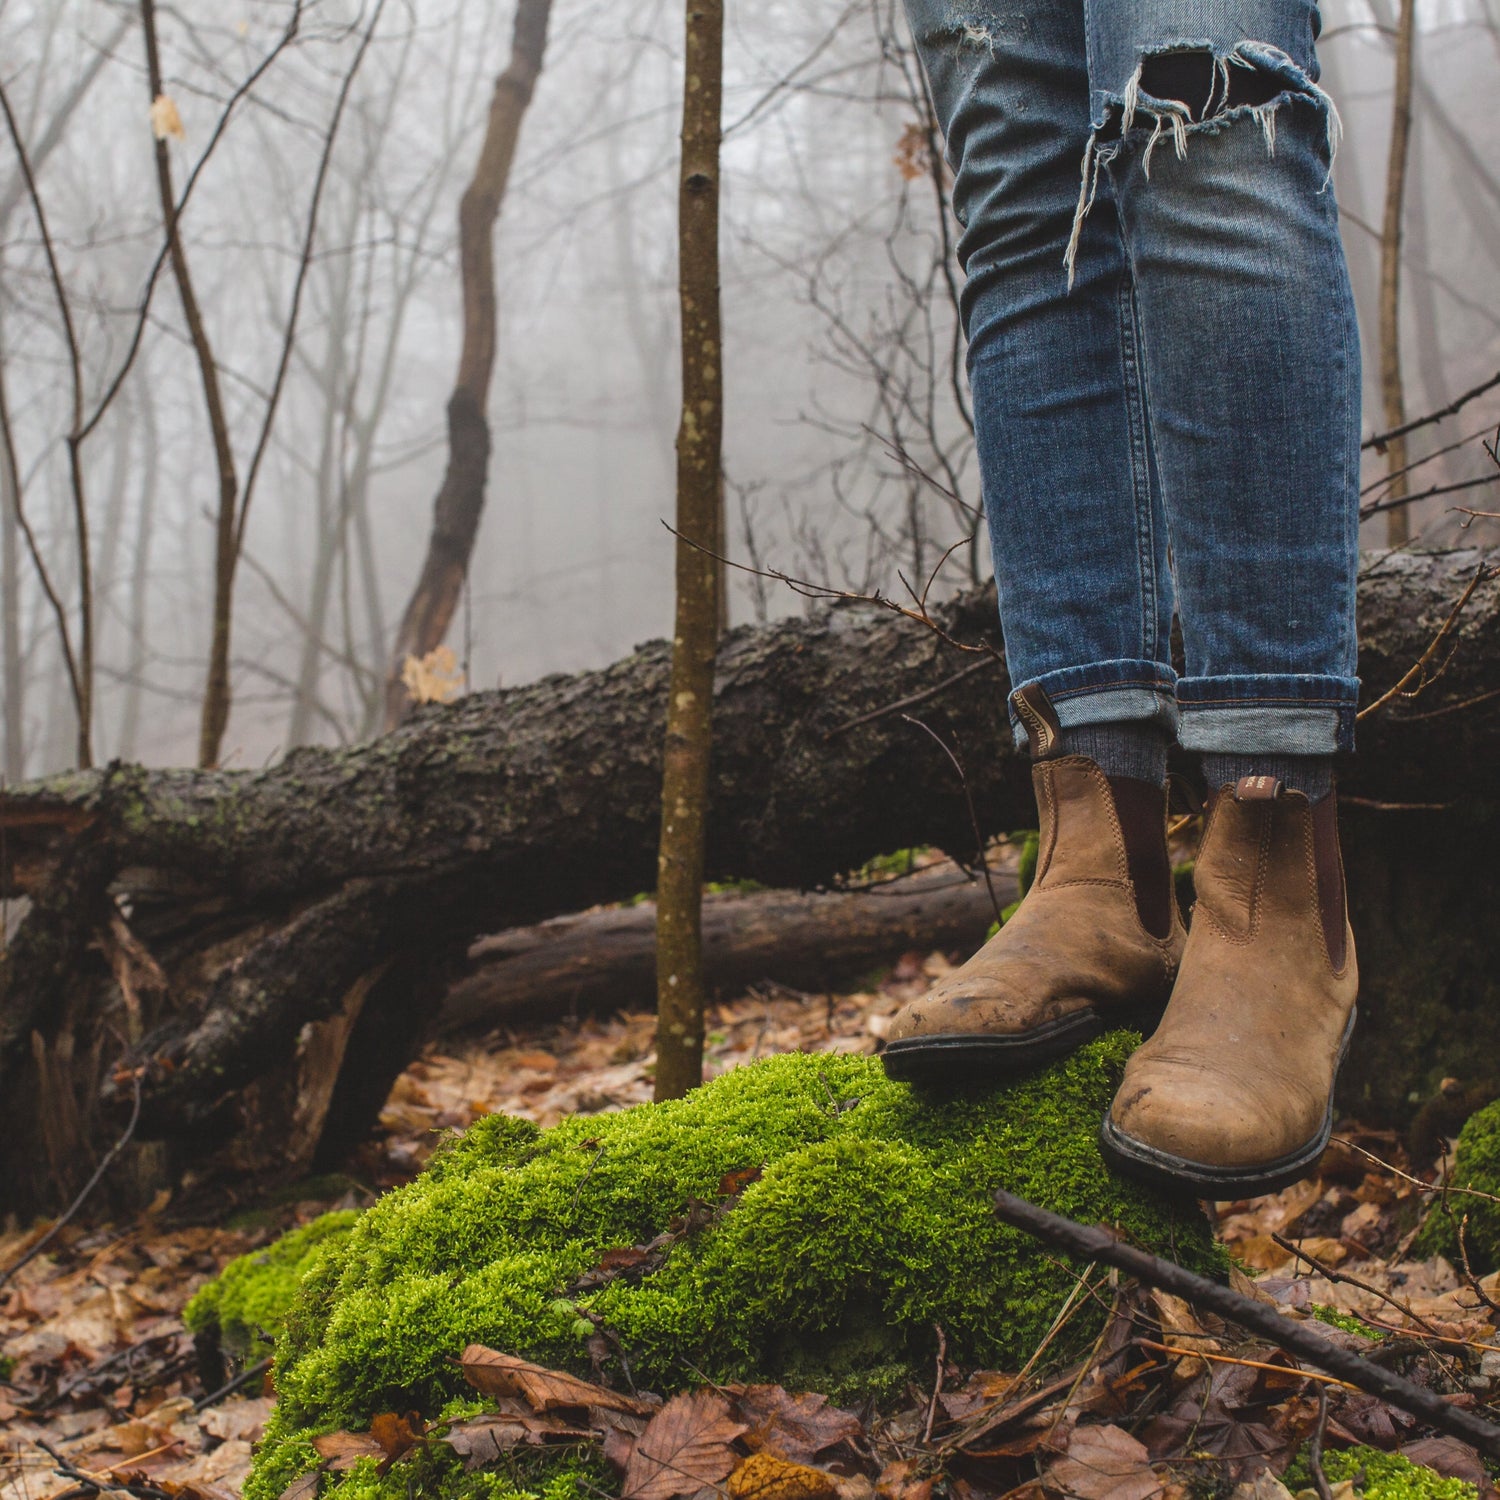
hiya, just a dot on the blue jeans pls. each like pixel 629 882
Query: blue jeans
pixel 1163 357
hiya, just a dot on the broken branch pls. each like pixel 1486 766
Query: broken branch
pixel 1101 1246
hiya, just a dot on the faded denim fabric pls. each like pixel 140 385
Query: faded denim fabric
pixel 1163 353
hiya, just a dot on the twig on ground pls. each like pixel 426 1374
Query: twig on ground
pixel 1101 1246
pixel 1463 1255
pixel 1315 1449
pixel 1247 1364
pixel 98 1483
pixel 937 1383
pixel 104 1165
pixel 1426 1187
pixel 583 1181
pixel 1330 1273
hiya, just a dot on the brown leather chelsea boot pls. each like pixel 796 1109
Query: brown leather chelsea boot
pixel 1233 1095
pixel 1095 943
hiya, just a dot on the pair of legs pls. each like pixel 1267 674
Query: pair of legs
pixel 1165 372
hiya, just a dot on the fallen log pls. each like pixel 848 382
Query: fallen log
pixel 606 960
pixel 340 888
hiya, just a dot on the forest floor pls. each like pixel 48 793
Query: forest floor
pixel 101 1391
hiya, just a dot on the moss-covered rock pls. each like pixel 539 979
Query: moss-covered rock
pixel 248 1302
pixel 870 1222
pixel 1380 1476
pixel 1476 1165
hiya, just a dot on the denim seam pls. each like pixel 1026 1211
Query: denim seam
pixel 1120 682
pixel 1130 371
pixel 1259 702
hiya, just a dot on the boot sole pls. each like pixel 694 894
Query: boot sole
pixel 1136 1159
pixel 968 1057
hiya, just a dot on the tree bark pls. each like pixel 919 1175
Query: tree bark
pixel 12 672
pixel 605 960
pixel 460 500
pixel 215 713
pixel 266 896
pixel 1398 520
pixel 700 441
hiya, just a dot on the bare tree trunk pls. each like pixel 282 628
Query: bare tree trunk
pixel 215 714
pixel 140 575
pixel 685 761
pixel 1398 520
pixel 460 501
pixel 334 388
pixel 12 675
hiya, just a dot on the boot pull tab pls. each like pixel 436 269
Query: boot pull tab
pixel 1257 789
pixel 1035 711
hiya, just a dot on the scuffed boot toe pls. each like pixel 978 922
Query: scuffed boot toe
pixel 971 1032
pixel 1185 1127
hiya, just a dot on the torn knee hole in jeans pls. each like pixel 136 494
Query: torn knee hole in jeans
pixel 1179 91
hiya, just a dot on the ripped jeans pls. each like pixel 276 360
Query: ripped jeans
pixel 1163 357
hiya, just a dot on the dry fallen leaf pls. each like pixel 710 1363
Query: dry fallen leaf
pixel 1183 1334
pixel 239 1417
pixel 434 678
pixel 763 1476
pixel 396 1434
pixel 1104 1463
pixel 900 1481
pixel 1452 1458
pixel 305 1488
pixel 732 1184
pixel 1265 1486
pixel 499 1374
pixel 165 121
pixel 794 1427
pixel 686 1446
pixel 342 1450
pixel 481 1441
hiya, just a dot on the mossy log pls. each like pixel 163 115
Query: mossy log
pixel 211 918
pixel 822 1224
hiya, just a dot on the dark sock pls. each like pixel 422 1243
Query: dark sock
pixel 1310 774
pixel 1126 747
pixel 1140 806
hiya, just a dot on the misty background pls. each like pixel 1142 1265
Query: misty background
pixel 839 334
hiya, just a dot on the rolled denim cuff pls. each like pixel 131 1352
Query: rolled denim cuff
pixel 1270 714
pixel 1105 692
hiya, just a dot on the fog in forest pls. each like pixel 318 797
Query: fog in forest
pixel 847 456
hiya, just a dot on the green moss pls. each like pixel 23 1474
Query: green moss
pixel 251 1296
pixel 897 862
pixel 1347 1321
pixel 1380 1476
pixel 871 1221
pixel 1476 1165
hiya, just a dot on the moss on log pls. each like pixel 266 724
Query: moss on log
pixel 870 1221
